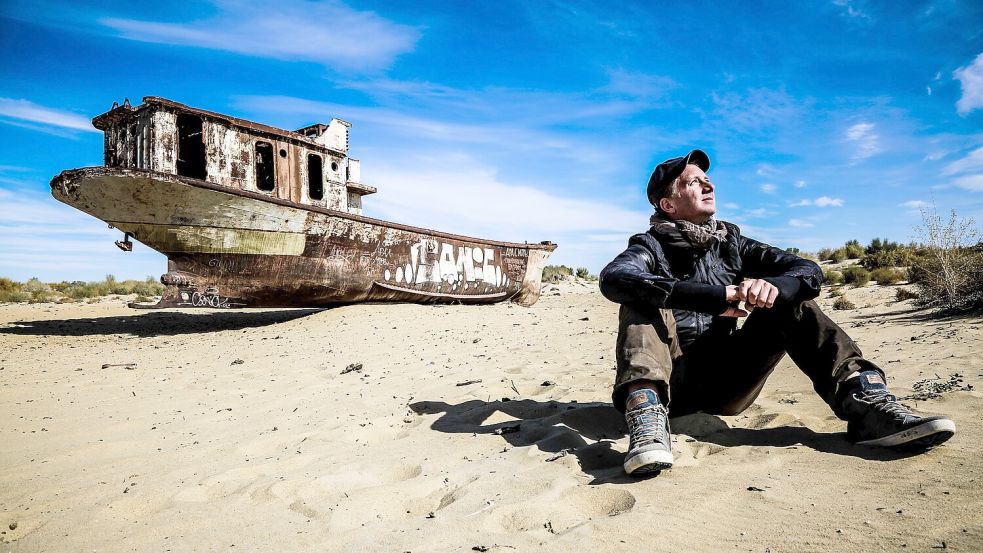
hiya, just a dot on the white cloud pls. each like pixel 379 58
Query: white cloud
pixel 972 162
pixel 822 201
pixel 915 204
pixel 732 205
pixel 44 117
pixel 826 201
pixel 800 184
pixel 799 223
pixel 928 89
pixel 971 79
pixel 865 141
pixel 329 33
pixel 970 182
pixel 768 188
pixel 851 10
pixel 759 212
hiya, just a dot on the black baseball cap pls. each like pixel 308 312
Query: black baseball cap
pixel 668 170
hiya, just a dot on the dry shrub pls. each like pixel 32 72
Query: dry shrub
pixel 856 275
pixel 887 275
pixel 584 274
pixel 556 273
pixel 842 304
pixel 950 273
pixel 853 250
pixel 831 276
pixel 903 294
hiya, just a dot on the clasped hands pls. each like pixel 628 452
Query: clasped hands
pixel 754 293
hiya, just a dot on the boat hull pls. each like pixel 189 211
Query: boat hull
pixel 231 248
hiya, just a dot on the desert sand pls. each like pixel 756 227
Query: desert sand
pixel 451 428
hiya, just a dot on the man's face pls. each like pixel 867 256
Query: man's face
pixel 695 201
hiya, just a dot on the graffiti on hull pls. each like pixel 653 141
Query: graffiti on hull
pixel 457 266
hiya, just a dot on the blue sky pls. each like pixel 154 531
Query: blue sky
pixel 824 121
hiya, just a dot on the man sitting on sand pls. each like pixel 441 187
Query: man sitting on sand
pixel 679 349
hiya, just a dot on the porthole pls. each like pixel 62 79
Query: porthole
pixel 334 166
pixel 283 153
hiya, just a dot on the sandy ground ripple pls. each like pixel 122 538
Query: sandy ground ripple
pixel 463 429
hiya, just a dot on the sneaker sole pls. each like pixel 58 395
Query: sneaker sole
pixel 648 462
pixel 924 435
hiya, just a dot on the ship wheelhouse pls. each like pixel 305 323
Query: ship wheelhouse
pixel 309 166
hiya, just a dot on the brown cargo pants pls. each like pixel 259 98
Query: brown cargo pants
pixel 722 373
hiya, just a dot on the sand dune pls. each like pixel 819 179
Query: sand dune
pixel 466 428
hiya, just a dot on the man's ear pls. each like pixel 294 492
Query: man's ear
pixel 665 204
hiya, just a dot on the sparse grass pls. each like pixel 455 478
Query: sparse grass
pixel 842 304
pixel 35 291
pixel 836 292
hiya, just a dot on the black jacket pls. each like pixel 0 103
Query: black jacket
pixel 651 274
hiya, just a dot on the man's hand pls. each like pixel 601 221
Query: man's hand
pixel 754 293
pixel 733 297
pixel 757 293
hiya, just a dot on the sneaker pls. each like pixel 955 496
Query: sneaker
pixel 648 427
pixel 876 418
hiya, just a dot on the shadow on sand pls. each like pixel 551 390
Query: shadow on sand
pixel 588 431
pixel 156 323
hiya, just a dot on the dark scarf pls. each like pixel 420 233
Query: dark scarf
pixel 685 234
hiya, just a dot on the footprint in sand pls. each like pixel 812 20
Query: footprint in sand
pixel 567 511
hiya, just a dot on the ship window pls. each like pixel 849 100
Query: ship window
pixel 315 177
pixel 264 166
pixel 334 166
pixel 190 147
pixel 283 153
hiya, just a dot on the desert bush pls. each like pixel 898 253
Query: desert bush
pixel 836 291
pixel 856 275
pixel 39 292
pixel 556 273
pixel 584 274
pixel 853 249
pixel 81 290
pixel 828 254
pixel 148 287
pixel 887 275
pixel 842 303
pixel 903 294
pixel 12 292
pixel 949 273
pixel 832 276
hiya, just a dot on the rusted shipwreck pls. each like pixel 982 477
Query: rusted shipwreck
pixel 250 215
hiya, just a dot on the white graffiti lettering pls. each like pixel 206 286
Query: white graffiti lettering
pixel 435 262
